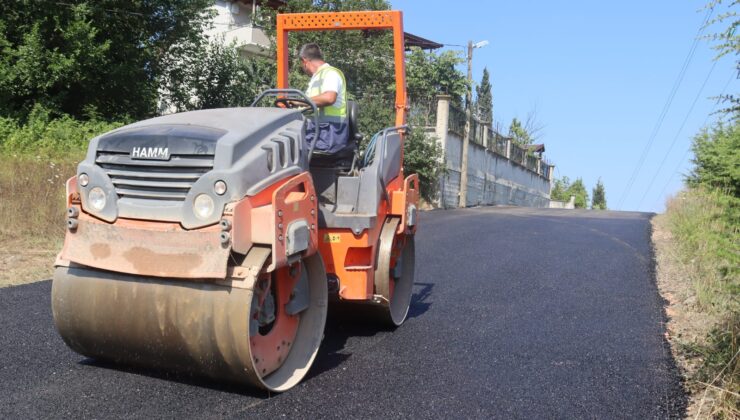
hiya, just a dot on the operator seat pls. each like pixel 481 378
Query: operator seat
pixel 327 167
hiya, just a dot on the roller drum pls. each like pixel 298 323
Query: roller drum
pixel 196 327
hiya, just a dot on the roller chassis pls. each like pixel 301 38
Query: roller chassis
pixel 243 296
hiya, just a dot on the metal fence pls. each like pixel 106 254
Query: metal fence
pixel 484 135
pixel 517 154
pixel 500 144
pixel 424 113
pixel 457 121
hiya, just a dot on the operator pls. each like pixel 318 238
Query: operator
pixel 328 90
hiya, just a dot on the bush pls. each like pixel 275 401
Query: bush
pixel 63 137
pixel 716 157
pixel 423 156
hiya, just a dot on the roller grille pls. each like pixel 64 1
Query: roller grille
pixel 154 179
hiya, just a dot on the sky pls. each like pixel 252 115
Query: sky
pixel 598 75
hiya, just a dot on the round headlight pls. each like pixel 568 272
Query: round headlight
pixel 96 198
pixel 219 187
pixel 203 206
pixel 83 179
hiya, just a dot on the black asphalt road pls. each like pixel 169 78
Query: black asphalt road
pixel 517 313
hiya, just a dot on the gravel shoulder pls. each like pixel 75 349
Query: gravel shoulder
pixel 686 325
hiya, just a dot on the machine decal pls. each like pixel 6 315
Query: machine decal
pixel 153 153
pixel 332 238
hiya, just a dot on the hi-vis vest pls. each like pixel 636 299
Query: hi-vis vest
pixel 331 113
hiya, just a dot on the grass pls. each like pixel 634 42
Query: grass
pixel 36 159
pixel 32 210
pixel 705 228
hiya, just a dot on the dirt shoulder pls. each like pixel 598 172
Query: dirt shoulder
pixel 22 264
pixel 687 326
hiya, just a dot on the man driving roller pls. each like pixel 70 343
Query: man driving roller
pixel 328 90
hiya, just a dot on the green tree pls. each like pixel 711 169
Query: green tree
pixel 519 134
pixel 429 74
pixel 83 57
pixel 599 196
pixel 484 98
pixel 560 188
pixel 208 74
pixel 717 158
pixel 578 190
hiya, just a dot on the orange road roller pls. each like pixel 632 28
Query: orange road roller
pixel 212 241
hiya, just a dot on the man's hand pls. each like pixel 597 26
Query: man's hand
pixel 297 104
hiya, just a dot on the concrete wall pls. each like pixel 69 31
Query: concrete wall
pixel 570 205
pixel 493 179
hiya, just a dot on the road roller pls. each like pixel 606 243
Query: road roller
pixel 211 242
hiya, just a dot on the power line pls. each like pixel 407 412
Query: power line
pixel 664 112
pixel 678 133
pixel 686 153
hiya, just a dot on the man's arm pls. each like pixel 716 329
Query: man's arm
pixel 325 99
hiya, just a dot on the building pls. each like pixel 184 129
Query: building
pixel 237 22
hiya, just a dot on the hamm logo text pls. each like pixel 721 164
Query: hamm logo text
pixel 157 153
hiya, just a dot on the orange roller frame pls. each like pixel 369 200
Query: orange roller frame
pixel 387 19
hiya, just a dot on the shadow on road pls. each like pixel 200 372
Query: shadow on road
pixel 420 302
pixel 346 321
pixel 183 378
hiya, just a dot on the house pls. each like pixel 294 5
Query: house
pixel 235 22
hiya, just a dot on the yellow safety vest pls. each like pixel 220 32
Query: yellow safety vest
pixel 331 113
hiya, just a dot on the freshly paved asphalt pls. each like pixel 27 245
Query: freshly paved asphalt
pixel 517 313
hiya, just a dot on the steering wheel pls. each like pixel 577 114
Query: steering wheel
pixel 291 103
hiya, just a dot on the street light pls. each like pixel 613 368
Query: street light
pixel 466 132
pixel 480 44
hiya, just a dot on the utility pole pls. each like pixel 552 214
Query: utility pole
pixel 466 131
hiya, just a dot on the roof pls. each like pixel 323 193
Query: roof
pixel 412 40
pixel 537 148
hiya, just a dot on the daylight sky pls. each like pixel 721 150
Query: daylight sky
pixel 599 75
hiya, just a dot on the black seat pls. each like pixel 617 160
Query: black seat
pixel 342 159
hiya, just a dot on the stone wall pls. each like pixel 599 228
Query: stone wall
pixel 493 179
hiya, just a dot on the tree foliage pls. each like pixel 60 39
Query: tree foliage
pixel 717 158
pixel 726 42
pixel 578 190
pixel 519 134
pixel 87 58
pixel 598 201
pixel 206 73
pixel 563 189
pixel 116 60
pixel 422 156
pixel 429 74
pixel 484 98
pixel 559 191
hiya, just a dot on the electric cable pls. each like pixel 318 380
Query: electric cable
pixel 675 139
pixel 686 153
pixel 664 112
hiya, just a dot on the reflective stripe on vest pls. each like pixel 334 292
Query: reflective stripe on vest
pixel 331 113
